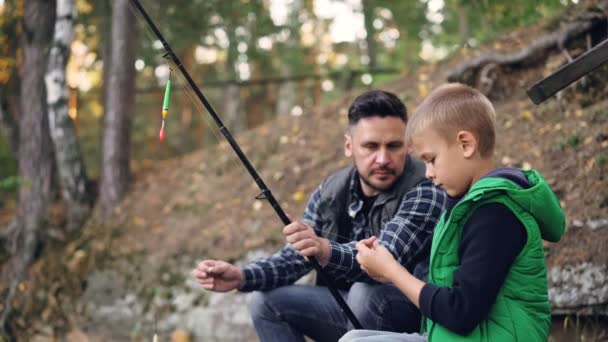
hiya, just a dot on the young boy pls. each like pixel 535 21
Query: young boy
pixel 487 277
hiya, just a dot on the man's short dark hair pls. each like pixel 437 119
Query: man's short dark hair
pixel 376 103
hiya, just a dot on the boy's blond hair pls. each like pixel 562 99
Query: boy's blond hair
pixel 454 107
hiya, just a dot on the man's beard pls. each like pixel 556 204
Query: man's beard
pixel 367 181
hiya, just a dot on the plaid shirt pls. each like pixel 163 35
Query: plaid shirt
pixel 406 235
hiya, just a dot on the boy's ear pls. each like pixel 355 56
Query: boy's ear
pixel 348 145
pixel 467 142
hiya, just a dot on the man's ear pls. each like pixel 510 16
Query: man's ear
pixel 467 142
pixel 348 145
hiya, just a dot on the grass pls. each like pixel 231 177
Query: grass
pixel 572 142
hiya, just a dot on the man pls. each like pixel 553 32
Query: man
pixel 385 194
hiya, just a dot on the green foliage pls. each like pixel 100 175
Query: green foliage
pixel 571 142
pixel 218 27
pixel 186 24
pixel 409 17
pixel 10 184
pixel 601 160
pixel 8 169
pixel 10 31
pixel 467 22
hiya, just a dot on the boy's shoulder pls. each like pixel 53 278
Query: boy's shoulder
pixel 526 193
pixel 506 178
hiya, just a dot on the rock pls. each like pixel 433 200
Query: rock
pixel 184 300
pixel 597 224
pixel 112 308
pixel 575 286
pixel 577 223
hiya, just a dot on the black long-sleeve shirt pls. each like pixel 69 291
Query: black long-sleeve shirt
pixel 491 240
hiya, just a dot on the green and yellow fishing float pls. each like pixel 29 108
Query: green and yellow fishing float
pixel 165 111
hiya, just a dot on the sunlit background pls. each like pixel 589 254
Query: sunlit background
pixel 255 60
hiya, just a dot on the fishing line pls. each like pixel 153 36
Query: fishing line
pixel 183 87
pixel 211 126
pixel 265 193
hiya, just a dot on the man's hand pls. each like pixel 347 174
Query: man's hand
pixel 217 275
pixel 375 259
pixel 304 240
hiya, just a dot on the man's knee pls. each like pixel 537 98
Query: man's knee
pixel 258 304
pixel 363 297
pixel 383 307
pixel 272 304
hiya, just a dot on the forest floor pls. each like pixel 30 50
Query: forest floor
pixel 203 203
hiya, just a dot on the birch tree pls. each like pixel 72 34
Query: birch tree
pixel 72 173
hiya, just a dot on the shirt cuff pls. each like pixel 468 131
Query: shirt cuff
pixel 251 282
pixel 338 255
pixel 427 294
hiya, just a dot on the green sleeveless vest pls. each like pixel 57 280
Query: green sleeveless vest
pixel 521 311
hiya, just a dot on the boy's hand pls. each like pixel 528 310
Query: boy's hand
pixel 375 259
pixel 304 240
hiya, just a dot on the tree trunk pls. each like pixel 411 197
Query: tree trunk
pixel 231 108
pixel 286 98
pixel 72 174
pixel 463 24
pixel 292 61
pixel 35 149
pixel 231 102
pixel 119 106
pixel 105 12
pixel 368 13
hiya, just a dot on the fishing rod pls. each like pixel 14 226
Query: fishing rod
pixel 265 192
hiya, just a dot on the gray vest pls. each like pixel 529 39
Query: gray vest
pixel 336 197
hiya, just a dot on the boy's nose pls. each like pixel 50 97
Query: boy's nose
pixel 429 173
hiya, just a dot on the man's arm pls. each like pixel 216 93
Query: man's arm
pixel 285 266
pixel 406 235
pixel 282 268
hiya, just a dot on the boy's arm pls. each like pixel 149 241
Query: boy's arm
pixel 406 282
pixel 380 264
pixel 491 240
pixel 406 235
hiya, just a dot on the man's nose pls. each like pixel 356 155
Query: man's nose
pixel 382 156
